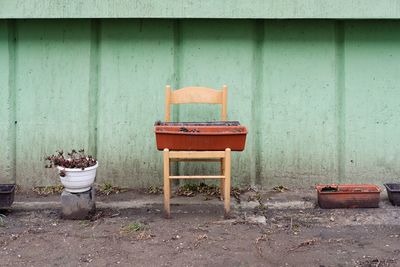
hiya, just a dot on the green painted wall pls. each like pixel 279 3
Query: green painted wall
pixel 255 9
pixel 321 98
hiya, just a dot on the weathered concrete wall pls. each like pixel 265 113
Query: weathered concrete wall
pixel 256 9
pixel 321 98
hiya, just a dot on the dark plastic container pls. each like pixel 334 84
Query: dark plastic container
pixel 7 192
pixel 199 136
pixel 333 196
pixel 393 191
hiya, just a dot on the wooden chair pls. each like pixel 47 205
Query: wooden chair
pixel 197 95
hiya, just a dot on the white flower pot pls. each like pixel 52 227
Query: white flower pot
pixel 78 180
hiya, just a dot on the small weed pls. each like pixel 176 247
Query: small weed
pixel 154 190
pixel 48 190
pixel 144 235
pixel 208 191
pixel 108 189
pixel 105 213
pixel 2 220
pixel 17 188
pixel 236 192
pixel 257 243
pixel 191 189
pixel 84 223
pixel 308 242
pixel 187 190
pixel 255 197
pixel 280 188
pixel 294 227
pixel 132 227
pixel 199 239
pixel 206 198
pixel 261 207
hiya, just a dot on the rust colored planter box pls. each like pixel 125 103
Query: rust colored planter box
pixel 198 136
pixel 393 191
pixel 332 196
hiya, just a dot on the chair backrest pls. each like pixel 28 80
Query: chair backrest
pixel 191 95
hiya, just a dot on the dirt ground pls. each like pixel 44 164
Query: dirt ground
pixel 197 234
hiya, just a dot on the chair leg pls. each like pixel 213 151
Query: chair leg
pixel 222 181
pixel 227 189
pixel 167 185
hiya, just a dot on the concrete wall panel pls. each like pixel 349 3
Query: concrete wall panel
pixel 320 98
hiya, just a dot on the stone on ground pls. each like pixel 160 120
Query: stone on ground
pixel 77 206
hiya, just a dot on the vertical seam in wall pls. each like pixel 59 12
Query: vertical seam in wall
pixel 176 77
pixel 340 100
pixel 94 85
pixel 12 96
pixel 177 62
pixel 258 55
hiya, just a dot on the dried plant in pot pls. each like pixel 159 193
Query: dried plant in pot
pixel 77 170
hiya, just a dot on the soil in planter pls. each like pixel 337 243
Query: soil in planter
pixel 208 123
pixel 329 189
pixel 186 130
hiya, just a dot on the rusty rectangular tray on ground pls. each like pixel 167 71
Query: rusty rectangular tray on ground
pixel 200 136
pixel 348 196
